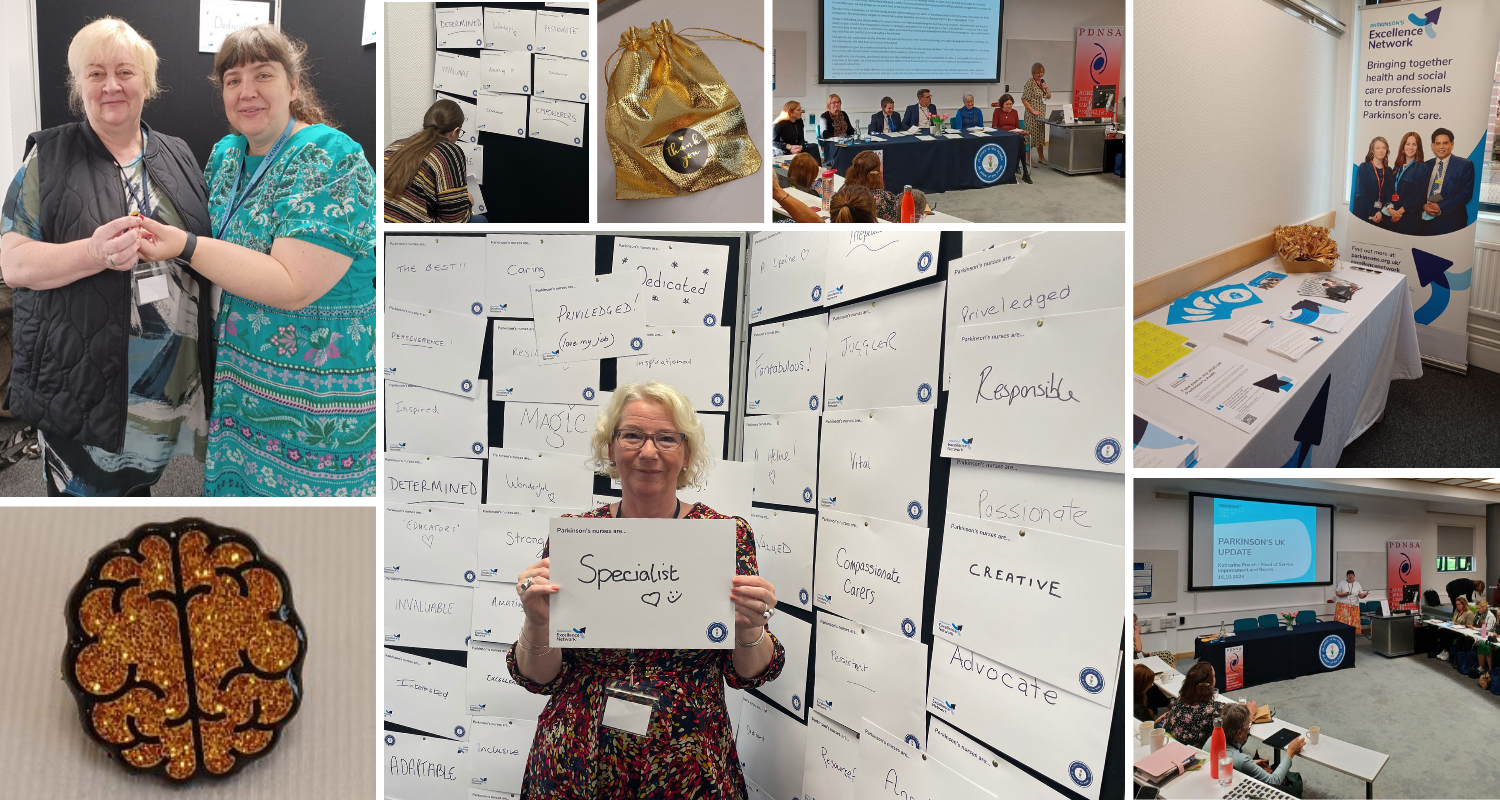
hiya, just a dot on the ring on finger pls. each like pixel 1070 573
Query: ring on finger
pixel 526 584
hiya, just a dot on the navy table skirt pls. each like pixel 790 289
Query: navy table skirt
pixel 972 162
pixel 1282 654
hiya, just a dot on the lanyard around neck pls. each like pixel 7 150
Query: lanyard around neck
pixel 142 200
pixel 260 172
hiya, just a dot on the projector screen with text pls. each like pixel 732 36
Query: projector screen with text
pixel 880 41
pixel 1240 543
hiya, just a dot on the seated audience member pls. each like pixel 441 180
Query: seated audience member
pixel 1165 655
pixel 866 170
pixel 1462 613
pixel 787 134
pixel 920 114
pixel 1237 730
pixel 919 202
pixel 1190 720
pixel 1150 700
pixel 1487 649
pixel 853 203
pixel 885 120
pixel 803 172
pixel 968 116
pixel 1008 119
pixel 834 122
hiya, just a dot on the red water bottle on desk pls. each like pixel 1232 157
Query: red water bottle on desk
pixel 1216 748
pixel 828 187
pixel 908 206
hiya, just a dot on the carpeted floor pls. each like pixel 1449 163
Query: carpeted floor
pixel 183 478
pixel 1051 197
pixel 1438 728
pixel 1438 420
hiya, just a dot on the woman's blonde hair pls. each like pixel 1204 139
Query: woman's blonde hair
pixel 267 43
pixel 831 98
pixel 786 110
pixel 1036 67
pixel 93 40
pixel 695 465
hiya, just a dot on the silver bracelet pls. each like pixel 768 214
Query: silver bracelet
pixel 755 643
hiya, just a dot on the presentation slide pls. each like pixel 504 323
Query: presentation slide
pixel 879 41
pixel 1238 542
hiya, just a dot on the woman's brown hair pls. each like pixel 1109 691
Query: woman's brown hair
pixel 1144 678
pixel 442 118
pixel 1401 151
pixel 1004 98
pixel 1370 154
pixel 853 203
pixel 1198 687
pixel 268 43
pixel 865 171
pixel 803 171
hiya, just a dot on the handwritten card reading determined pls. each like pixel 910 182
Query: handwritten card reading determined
pixel 460 27
pixel 437 481
pixel 587 319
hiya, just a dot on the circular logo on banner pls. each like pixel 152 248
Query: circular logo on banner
pixel 588 393
pixel 477 308
pixel 583 54
pixel 636 343
pixel 389 739
pixel 583 96
pixel 709 320
pixel 458 730
pixel 467 385
pixel 911 739
pixel 717 399
pixel 1091 681
pixel 989 163
pixel 717 632
pixel 802 596
pixel 924 393
pixel 1331 651
pixel 528 48
pixel 525 88
pixel 924 261
pixel 469 575
pixel 1080 773
pixel 796 703
pixel 1107 450
pixel 812 403
pixel 478 448
pixel 685 151
pixel 914 510
pixel 807 498
pixel 908 628
pixel 479 43
pixel 576 140
pixel 817 293
pixel 520 131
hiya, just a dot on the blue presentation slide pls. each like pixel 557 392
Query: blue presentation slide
pixel 1263 542
pixel 873 40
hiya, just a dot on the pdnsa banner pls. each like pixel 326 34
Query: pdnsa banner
pixel 1234 668
pixel 1403 567
pixel 1097 57
pixel 1421 108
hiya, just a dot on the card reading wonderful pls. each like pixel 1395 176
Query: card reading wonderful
pixel 643 583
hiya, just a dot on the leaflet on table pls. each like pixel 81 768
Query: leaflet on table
pixel 512 538
pixel 1154 348
pixel 1088 505
pixel 550 428
pixel 470 133
pixel 1045 392
pixel 1329 288
pixel 498 613
pixel 977 762
pixel 684 280
pixel 518 376
pixel 784 552
pixel 506 71
pixel 786 273
pixel 456 74
pixel 459 27
pixel 1236 390
pixel 503 113
pixel 771 748
pixel 1154 446
pixel 864 672
pixel 557 121
pixel 430 544
pixel 509 28
pixel 423 614
pixel 789 690
pixel 643 583
pixel 1269 279
pixel 832 759
pixel 435 349
pixel 514 261
pixel 863 262
pixel 422 768
pixel 876 462
pixel 891 766
pixel 436 481
pixel 500 748
pixel 1065 737
pixel 885 352
pixel 926 138
pixel 562 78
pixel 1295 344
pixel 530 478
pixel 582 319
pixel 1204 305
pixel 1039 577
pixel 1317 315
pixel 784 450
pixel 421 420
pixel 425 694
pixel 492 692
pixel 872 570
pixel 692 359
pixel 1248 329
pixel 562 34
pixel 786 366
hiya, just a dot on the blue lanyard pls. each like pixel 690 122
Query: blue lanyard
pixel 142 200
pixel 239 196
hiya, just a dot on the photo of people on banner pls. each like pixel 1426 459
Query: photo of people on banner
pixel 1412 192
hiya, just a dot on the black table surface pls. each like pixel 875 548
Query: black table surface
pixel 937 166
pixel 1280 654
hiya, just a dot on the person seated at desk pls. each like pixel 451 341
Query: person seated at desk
pixel 1008 119
pixel 1236 720
pixel 1463 615
pixel 968 116
pixel 920 113
pixel 1150 700
pixel 1373 184
pixel 1166 656
pixel 885 120
pixel 787 136
pixel 803 173
pixel 866 170
pixel 919 202
pixel 1485 648
pixel 851 204
pixel 834 122
pixel 1190 720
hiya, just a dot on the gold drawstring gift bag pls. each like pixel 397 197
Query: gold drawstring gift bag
pixel 674 126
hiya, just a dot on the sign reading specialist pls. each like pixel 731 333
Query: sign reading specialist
pixel 643 583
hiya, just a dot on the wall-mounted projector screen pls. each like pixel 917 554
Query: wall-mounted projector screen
pixel 915 41
pixel 1245 543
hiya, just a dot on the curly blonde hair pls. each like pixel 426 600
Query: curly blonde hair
pixel 695 465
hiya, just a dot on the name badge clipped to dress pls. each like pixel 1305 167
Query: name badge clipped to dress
pixel 151 283
pixel 629 708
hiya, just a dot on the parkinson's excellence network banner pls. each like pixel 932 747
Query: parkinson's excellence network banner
pixel 1422 98
pixel 1098 55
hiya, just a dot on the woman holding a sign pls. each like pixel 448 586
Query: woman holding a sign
pixel 682 746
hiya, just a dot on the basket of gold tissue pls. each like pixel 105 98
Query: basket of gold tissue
pixel 1305 248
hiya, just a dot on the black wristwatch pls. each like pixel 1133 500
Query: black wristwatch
pixel 187 250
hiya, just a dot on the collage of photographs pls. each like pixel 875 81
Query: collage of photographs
pixel 326 324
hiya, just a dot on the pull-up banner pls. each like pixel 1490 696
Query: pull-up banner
pixel 1097 56
pixel 1421 108
pixel 1403 568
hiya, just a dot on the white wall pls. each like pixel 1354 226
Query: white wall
pixel 1163 525
pixel 1024 19
pixel 408 68
pixel 18 100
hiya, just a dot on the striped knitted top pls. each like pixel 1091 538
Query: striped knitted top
pixel 439 192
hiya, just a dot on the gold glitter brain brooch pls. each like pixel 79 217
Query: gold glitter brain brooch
pixel 184 650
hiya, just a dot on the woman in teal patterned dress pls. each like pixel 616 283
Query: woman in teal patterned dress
pixel 291 200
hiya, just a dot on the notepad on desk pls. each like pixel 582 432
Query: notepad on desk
pixel 926 138
pixel 1246 330
pixel 1295 345
pixel 1173 759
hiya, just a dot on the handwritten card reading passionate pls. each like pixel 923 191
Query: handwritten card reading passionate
pixel 562 78
pixel 885 352
pixel 515 261
pixel 437 481
pixel 431 544
pixel 507 71
pixel 512 538
pixel 1047 392
pixel 876 463
pixel 862 672
pixel 771 748
pixel 784 449
pixel 643 583
pixel 531 478
pixel 890 766
pixel 786 273
pixel 518 375
pixel 425 694
pixel 557 121
pixel 436 349
pixel 694 360
pixel 426 421
pixel 1088 505
pixel 872 570
pixel 509 28
pixel 492 690
pixel 424 768
pixel 586 319
pixel 421 614
pixel 550 428
pixel 460 27
pixel 684 281
pixel 863 262
pixel 786 366
pixel 1038 577
pixel 561 34
pixel 784 552
pixel 456 74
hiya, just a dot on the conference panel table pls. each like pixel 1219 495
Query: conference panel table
pixel 945 163
pixel 1282 654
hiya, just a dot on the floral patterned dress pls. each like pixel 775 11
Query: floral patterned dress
pixel 1192 723
pixel 689 750
pixel 294 391
pixel 1032 95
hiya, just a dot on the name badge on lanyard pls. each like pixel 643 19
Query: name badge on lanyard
pixel 151 282
pixel 260 172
